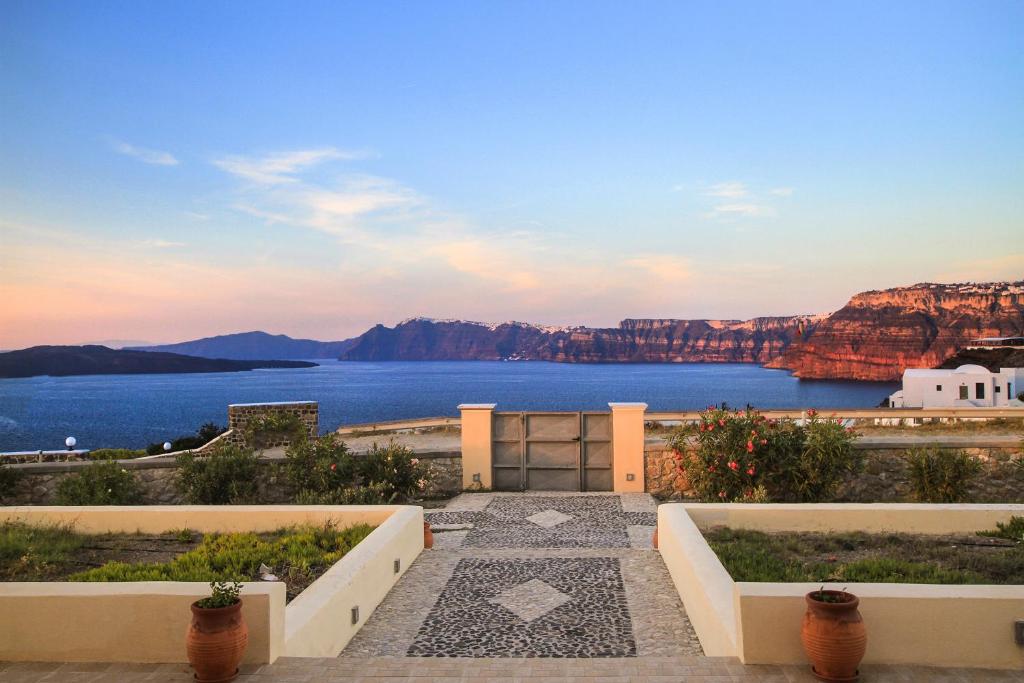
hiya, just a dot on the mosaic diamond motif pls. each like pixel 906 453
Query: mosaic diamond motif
pixel 548 518
pixel 531 600
pixel 542 607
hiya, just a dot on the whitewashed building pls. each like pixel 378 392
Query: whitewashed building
pixel 966 387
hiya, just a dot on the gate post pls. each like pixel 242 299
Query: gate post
pixel 476 444
pixel 628 447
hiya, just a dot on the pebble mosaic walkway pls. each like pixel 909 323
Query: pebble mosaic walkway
pixel 534 575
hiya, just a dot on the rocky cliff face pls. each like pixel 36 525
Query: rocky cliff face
pixel 656 341
pixel 879 334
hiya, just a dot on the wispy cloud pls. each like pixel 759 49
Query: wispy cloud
pixel 669 268
pixel 143 154
pixel 740 210
pixel 282 167
pixel 781 191
pixel 730 190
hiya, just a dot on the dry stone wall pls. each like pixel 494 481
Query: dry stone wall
pixel 244 419
pixel 884 479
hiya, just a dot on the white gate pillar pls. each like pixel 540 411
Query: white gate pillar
pixel 476 444
pixel 628 447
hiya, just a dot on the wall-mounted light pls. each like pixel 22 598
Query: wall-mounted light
pixel 355 615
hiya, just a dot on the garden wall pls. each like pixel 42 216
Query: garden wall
pixel 39 481
pixel 933 625
pixel 147 621
pixel 884 478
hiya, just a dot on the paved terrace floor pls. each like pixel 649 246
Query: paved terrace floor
pixel 527 587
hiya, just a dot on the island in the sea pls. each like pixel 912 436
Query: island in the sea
pixel 59 361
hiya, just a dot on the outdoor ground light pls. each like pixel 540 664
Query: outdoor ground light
pixel 70 443
pixel 167 445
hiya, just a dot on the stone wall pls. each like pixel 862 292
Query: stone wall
pixel 39 481
pixel 242 417
pixel 884 479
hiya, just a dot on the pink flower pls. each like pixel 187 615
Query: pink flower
pixel 721 494
pixel 811 412
pixel 750 470
pixel 721 423
pixel 733 465
pixel 750 447
pixel 764 442
pixel 334 466
pixel 414 461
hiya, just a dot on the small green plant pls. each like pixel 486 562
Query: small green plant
pixel 33 553
pixel 222 594
pixel 9 478
pixel 227 475
pixel 183 535
pixel 372 494
pixel 1012 530
pixel 831 596
pixel 941 475
pixel 100 483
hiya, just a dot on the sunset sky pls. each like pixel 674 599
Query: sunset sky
pixel 181 169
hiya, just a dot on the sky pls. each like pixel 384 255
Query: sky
pixel 172 170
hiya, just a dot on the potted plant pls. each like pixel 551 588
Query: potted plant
pixel 833 634
pixel 218 635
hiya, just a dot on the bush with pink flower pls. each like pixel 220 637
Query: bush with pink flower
pixel 740 456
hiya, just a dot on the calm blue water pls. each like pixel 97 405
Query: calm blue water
pixel 134 410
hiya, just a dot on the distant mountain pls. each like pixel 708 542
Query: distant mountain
pixel 879 334
pixel 633 341
pixel 115 343
pixel 58 361
pixel 254 346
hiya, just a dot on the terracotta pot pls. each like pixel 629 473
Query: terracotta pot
pixel 834 636
pixel 216 641
pixel 428 536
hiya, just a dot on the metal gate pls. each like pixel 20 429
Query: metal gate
pixel 552 451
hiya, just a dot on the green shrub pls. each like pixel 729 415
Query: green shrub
pixel 393 468
pixel 319 467
pixel 116 453
pixel 227 475
pixel 100 483
pixel 238 556
pixel 9 478
pixel 207 433
pixel 1012 530
pixel 743 457
pixel 941 475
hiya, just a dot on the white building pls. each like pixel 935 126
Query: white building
pixel 966 387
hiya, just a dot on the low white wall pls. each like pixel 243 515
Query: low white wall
pixel 143 621
pixel 703 583
pixel 936 625
pixel 318 622
pixel 147 621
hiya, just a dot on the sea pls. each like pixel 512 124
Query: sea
pixel 131 411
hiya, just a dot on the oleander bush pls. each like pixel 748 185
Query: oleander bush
pixel 393 468
pixel 941 475
pixel 100 483
pixel 740 456
pixel 227 475
pixel 319 467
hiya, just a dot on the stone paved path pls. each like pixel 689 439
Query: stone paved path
pixel 534 575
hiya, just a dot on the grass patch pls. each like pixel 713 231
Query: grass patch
pixel 866 558
pixel 296 555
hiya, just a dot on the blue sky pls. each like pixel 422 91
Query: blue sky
pixel 172 170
